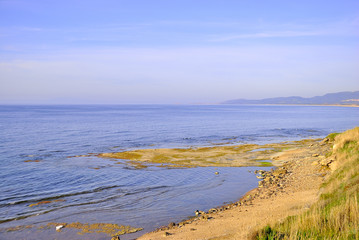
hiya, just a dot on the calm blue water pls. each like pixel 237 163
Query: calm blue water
pixel 117 193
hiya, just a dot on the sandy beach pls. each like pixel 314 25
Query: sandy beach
pixel 288 190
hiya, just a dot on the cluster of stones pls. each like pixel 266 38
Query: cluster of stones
pixel 324 161
pixel 271 178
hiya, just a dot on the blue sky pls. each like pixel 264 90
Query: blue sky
pixel 169 51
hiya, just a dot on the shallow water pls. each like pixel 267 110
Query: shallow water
pixel 100 190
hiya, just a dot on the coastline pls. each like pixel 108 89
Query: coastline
pixel 288 190
pixel 314 105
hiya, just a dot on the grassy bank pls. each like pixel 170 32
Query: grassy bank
pixel 336 213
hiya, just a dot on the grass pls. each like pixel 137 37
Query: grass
pixel 336 214
pixel 332 136
pixel 265 164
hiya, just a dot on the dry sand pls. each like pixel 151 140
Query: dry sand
pixel 288 190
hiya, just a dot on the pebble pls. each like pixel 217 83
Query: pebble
pixel 199 212
pixel 171 225
pixel 59 227
pixel 212 210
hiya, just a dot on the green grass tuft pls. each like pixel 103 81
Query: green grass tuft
pixel 332 136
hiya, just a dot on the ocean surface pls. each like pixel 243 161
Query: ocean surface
pixel 38 143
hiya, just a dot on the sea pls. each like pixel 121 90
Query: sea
pixel 44 156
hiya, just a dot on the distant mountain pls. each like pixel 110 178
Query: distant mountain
pixel 342 98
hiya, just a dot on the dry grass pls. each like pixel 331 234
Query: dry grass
pixel 336 214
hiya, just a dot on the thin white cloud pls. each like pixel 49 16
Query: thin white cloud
pixel 32 29
pixel 284 34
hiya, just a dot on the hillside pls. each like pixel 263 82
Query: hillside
pixel 336 214
pixel 341 98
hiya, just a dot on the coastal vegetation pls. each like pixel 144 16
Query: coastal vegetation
pixel 336 214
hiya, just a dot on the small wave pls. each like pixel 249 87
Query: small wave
pixel 111 198
pixel 52 198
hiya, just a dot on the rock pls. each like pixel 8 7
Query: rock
pixel 167 234
pixel 315 163
pixel 199 213
pixel 268 179
pixel 216 173
pixel 59 227
pixel 116 238
pixel 205 217
pixel 279 172
pixel 326 162
pixel 315 155
pixel 334 165
pixel 212 210
pixel 172 224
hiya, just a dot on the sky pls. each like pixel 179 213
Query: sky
pixel 175 51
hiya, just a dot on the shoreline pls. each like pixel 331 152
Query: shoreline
pixel 288 190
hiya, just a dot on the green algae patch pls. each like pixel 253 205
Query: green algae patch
pixel 213 156
pixel 266 164
pixel 123 155
pixel 109 229
pixel 19 228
